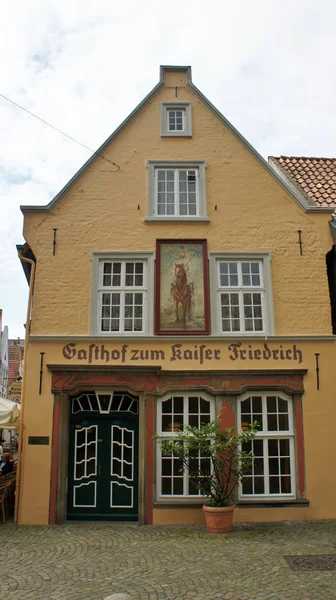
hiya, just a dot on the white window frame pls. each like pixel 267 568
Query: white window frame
pixel 185 107
pixel 97 289
pixel 265 289
pixel 171 435
pixel 266 435
pixel 201 201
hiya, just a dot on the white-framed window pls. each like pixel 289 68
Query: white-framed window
pixel 174 412
pixel 273 471
pixel 120 300
pixel 176 119
pixel 176 190
pixel 243 302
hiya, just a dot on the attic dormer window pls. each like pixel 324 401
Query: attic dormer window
pixel 176 119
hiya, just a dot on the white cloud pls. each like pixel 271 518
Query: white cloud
pixel 269 67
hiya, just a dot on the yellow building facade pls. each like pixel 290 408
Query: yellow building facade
pixel 175 276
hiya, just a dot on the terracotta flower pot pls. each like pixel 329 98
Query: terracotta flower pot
pixel 218 519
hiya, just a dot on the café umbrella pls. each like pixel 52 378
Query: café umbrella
pixel 9 414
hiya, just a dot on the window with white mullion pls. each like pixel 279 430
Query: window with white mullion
pixel 174 413
pixel 230 310
pixel 273 469
pixel 175 119
pixel 187 192
pixel 122 296
pixel 166 193
pixel 241 296
pixel 177 192
pixel 120 299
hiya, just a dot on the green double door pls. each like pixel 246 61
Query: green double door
pixel 103 468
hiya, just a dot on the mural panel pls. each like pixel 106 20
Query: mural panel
pixel 182 287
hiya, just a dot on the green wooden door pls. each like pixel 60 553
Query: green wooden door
pixel 103 467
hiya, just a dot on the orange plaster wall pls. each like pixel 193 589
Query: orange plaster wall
pixel 254 214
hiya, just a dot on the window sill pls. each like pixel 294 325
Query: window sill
pixel 177 134
pixel 188 503
pixel 272 503
pixel 176 219
pixel 178 503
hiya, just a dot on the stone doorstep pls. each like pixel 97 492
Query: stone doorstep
pixel 118 597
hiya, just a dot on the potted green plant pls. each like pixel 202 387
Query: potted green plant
pixel 216 459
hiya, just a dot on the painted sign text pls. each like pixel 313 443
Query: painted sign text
pixel 199 353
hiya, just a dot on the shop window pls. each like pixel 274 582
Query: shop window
pixel 174 412
pixel 273 471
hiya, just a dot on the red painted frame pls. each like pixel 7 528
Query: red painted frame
pixel 150 463
pixel 300 446
pixel 54 462
pixel 206 330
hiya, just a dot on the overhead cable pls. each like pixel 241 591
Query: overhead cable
pixel 60 131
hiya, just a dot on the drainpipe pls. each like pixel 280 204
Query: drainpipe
pixel 23 396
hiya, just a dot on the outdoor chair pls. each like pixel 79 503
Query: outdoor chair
pixel 7 492
pixel 4 491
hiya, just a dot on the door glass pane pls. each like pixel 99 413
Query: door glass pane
pixel 90 468
pixel 116 467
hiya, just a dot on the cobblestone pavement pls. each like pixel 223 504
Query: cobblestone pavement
pixel 92 561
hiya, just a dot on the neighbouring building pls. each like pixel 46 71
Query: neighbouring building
pixel 15 369
pixel 176 276
pixel 314 180
pixel 3 358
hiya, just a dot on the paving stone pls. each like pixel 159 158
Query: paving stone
pixel 96 561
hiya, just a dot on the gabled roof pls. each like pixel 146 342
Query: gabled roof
pixel 307 206
pixel 315 176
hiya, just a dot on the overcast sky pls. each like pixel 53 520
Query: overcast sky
pixel 269 67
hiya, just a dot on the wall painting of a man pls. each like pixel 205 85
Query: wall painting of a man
pixel 182 304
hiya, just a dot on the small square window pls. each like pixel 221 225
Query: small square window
pixel 176 119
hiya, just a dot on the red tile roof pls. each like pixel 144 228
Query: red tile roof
pixel 15 357
pixel 316 176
